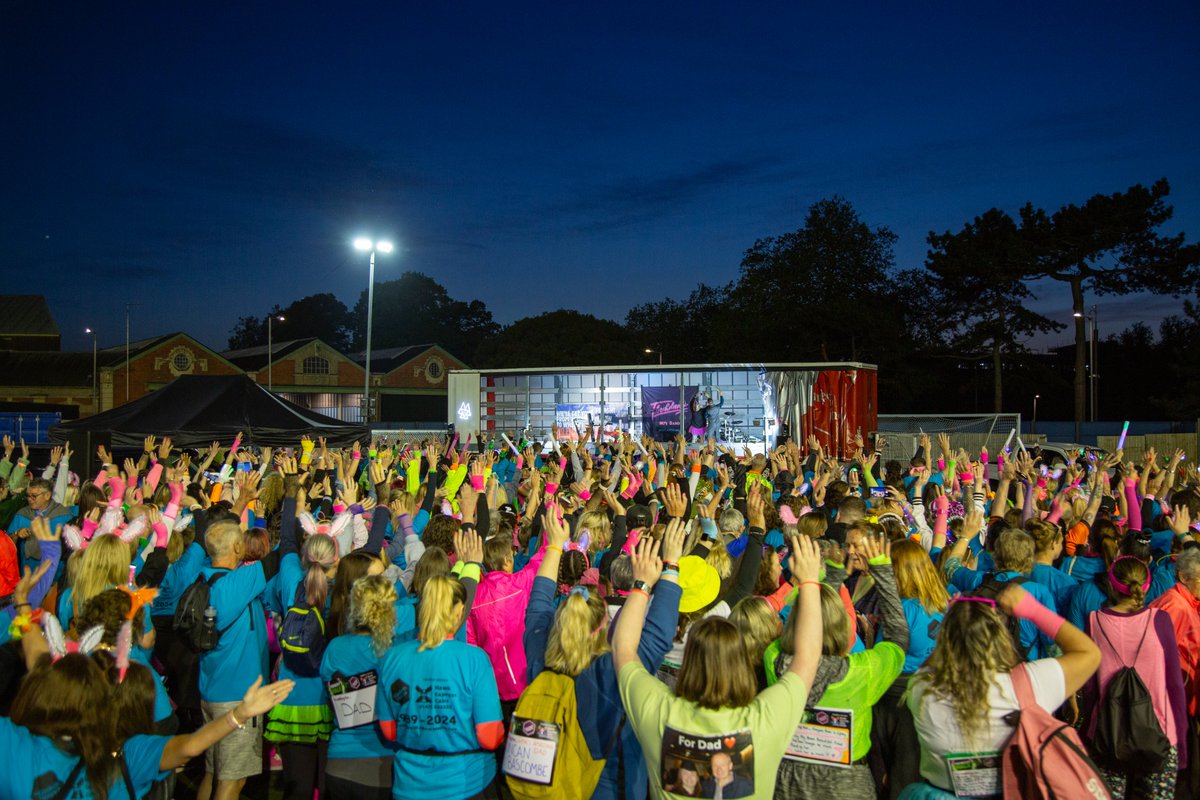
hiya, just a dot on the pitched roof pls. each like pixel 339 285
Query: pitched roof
pixel 51 369
pixel 140 346
pixel 26 315
pixel 385 360
pixel 255 358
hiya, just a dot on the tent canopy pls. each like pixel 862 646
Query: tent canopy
pixel 196 410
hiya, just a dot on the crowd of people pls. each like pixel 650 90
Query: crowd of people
pixel 613 617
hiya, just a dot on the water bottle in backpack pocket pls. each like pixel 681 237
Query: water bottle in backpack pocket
pixel 196 618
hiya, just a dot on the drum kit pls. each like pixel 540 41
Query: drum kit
pixel 731 428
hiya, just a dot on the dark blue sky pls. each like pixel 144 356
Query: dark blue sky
pixel 209 163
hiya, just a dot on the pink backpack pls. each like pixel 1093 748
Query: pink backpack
pixel 1045 758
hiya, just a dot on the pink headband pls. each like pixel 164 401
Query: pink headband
pixel 1122 588
pixel 787 515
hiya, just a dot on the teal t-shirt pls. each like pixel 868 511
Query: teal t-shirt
pixel 241 655
pixel 349 655
pixel 437 697
pixel 35 767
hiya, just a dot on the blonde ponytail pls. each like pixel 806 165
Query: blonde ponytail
pixel 435 615
pixel 579 633
pixel 320 554
pixel 372 610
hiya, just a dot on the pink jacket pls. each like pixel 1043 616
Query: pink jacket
pixel 497 624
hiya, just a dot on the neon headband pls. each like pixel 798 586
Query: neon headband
pixel 1124 588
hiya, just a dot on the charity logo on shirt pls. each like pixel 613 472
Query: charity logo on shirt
pixel 427 705
pixel 718 766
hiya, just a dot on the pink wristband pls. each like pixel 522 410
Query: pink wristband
pixel 585 495
pixel 551 489
pixel 1042 618
pixel 477 483
pixel 338 508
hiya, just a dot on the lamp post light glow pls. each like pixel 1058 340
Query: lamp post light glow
pixel 363 244
pixel 649 351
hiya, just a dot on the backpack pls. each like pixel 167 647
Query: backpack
pixel 1128 736
pixel 196 619
pixel 1044 758
pixel 302 636
pixel 546 755
pixel 990 588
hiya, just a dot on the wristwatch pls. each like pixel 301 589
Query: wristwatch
pixel 639 584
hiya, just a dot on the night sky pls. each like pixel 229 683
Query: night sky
pixel 208 163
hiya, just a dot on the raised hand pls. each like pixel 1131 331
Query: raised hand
pixel 647 566
pixel 468 546
pixel 673 500
pixel 804 560
pixel 672 541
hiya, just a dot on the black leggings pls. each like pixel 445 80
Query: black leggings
pixel 303 769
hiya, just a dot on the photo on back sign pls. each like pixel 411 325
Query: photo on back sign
pixel 705 765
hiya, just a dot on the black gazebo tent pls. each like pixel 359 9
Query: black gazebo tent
pixel 195 411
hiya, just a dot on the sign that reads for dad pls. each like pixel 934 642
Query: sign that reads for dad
pixel 353 699
pixel 532 746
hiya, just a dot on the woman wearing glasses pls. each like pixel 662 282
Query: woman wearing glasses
pixel 960 698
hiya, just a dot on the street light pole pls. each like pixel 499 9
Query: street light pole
pixel 383 246
pixel 370 319
pixel 1095 356
pixel 95 383
pixel 649 351
pixel 271 352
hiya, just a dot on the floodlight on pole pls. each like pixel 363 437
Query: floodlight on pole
pixel 363 244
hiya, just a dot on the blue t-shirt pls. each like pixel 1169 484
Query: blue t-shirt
pixel 923 629
pixel 1034 643
pixel 37 768
pixel 437 697
pixel 241 655
pixel 179 577
pixel 1060 584
pixel 1087 598
pixel 350 655
pixel 162 702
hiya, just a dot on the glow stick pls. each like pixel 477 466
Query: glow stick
pixel 511 446
pixel 1008 441
pixel 1124 432
pixel 1020 444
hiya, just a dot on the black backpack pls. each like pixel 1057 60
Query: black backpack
pixel 196 619
pixel 1128 736
pixel 302 636
pixel 990 588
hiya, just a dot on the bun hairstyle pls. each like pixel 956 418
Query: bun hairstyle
pixel 320 554
pixel 372 610
pixel 1127 579
pixel 436 616
pixel 579 633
